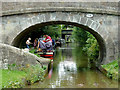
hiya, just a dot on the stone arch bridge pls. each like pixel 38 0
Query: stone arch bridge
pixel 18 19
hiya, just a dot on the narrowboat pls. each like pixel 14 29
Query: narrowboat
pixel 46 54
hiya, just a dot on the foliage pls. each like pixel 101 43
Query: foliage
pixel 34 73
pixel 55 32
pixel 44 67
pixel 85 39
pixel 12 66
pixel 14 84
pixel 52 30
pixel 112 69
pixel 17 79
pixel 80 36
pixel 91 48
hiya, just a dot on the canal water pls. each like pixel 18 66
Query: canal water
pixel 71 69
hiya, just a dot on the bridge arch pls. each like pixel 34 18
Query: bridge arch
pixel 94 27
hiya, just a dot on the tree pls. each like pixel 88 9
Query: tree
pixel 80 36
pixel 91 48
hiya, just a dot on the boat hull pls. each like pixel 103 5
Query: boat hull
pixel 46 54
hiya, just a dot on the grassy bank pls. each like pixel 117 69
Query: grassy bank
pixel 20 78
pixel 12 78
pixel 112 69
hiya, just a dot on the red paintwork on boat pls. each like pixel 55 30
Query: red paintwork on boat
pixel 46 55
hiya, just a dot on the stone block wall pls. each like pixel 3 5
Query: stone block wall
pixel 13 55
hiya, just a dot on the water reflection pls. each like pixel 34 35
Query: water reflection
pixel 67 66
pixel 66 69
pixel 71 70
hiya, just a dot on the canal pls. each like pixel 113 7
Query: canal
pixel 71 69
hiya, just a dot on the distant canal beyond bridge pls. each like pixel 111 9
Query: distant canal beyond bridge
pixel 71 69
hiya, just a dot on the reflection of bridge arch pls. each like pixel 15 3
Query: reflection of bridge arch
pixel 28 22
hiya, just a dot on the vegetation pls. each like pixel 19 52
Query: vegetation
pixel 52 30
pixel 83 38
pixel 33 74
pixel 80 36
pixel 112 69
pixel 88 42
pixel 18 78
pixel 91 48
pixel 12 78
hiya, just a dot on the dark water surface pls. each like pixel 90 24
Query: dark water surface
pixel 71 70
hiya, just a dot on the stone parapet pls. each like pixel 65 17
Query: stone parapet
pixel 10 8
pixel 13 55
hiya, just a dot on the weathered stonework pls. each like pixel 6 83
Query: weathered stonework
pixel 13 55
pixel 9 8
pixel 103 24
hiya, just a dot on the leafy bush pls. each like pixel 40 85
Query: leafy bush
pixel 91 48
pixel 79 35
pixel 34 73
pixel 14 84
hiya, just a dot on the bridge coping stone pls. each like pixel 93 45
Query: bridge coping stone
pixel 28 7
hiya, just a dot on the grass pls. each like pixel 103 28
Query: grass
pixel 19 78
pixel 112 69
pixel 11 75
pixel 12 78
